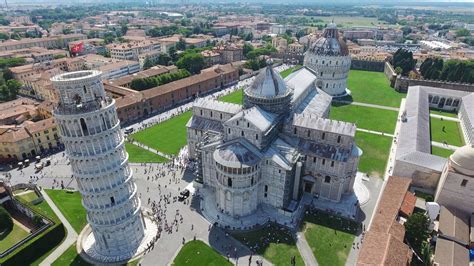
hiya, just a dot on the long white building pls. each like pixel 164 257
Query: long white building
pixel 90 130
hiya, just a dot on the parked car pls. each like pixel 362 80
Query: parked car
pixel 129 130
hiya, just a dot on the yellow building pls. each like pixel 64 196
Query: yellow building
pixel 26 130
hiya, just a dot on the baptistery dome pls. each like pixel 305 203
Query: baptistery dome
pixel 329 43
pixel 329 59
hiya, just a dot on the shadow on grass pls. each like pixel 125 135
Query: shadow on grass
pixel 332 221
pixel 346 100
pixel 5 233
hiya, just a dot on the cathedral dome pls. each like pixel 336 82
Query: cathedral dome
pixel 330 43
pixel 269 91
pixel 267 84
pixel 462 160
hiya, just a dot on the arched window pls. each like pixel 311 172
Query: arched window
pixel 229 182
pixel 327 179
pixel 338 139
pixel 85 89
pixel 84 126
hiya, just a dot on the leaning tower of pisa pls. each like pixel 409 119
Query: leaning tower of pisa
pixel 94 143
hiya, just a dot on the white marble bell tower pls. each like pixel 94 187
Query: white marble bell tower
pixel 90 130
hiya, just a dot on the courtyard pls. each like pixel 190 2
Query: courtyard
pixel 445 153
pixel 369 118
pixel 196 252
pixel 330 237
pixel 446 131
pixel 13 236
pixel 273 242
pixel 372 88
pixel 375 150
pixel 168 136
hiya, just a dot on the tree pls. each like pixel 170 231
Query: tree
pixel 4 36
pixel 173 54
pixel 148 63
pixel 193 63
pixel 403 59
pixel 9 90
pixel 164 59
pixel 247 48
pixel 398 70
pixel 6 222
pixel 7 74
pixel 463 33
pixel 417 231
pixel 181 44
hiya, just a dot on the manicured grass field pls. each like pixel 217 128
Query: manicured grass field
pixel 372 87
pixel 42 208
pixel 348 21
pixel 70 257
pixel 69 203
pixel 329 237
pixel 139 155
pixel 277 252
pixel 439 112
pixel 375 150
pixel 446 131
pixel 8 239
pixel 365 117
pixel 168 137
pixel 196 253
pixel 234 97
pixel 290 70
pixel 445 153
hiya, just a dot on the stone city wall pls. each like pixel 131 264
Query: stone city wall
pixel 390 73
pixel 402 84
pixel 367 65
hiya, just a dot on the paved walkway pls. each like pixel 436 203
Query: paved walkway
pixel 151 150
pixel 305 250
pixel 374 132
pixel 367 105
pixel 455 119
pixel 444 146
pixel 71 235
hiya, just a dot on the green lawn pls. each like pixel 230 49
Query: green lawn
pixel 234 97
pixel 446 131
pixel 287 72
pixel 8 239
pixel 70 257
pixel 372 87
pixel 375 150
pixel 365 117
pixel 139 155
pixel 329 237
pixel 28 197
pixel 197 253
pixel 168 137
pixel 277 252
pixel 440 112
pixel 441 152
pixel 69 203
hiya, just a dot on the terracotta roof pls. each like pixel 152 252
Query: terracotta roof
pixel 41 125
pixel 154 71
pixel 408 204
pixel 205 75
pixel 383 243
pixel 129 100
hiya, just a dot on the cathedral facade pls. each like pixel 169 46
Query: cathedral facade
pixel 277 146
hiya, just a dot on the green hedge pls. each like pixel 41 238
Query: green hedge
pixel 35 248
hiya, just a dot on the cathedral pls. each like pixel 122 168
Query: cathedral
pixel 279 145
